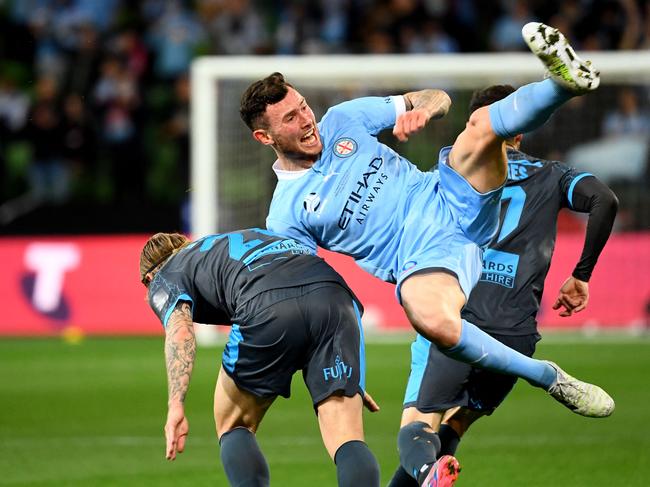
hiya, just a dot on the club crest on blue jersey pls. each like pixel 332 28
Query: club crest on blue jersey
pixel 311 203
pixel 345 147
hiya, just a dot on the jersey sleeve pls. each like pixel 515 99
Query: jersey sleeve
pixel 592 196
pixel 164 295
pixel 295 232
pixel 568 180
pixel 372 113
pixel 586 194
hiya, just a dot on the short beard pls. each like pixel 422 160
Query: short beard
pixel 294 155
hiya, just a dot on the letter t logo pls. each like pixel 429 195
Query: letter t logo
pixel 50 262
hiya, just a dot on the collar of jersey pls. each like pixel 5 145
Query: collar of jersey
pixel 284 175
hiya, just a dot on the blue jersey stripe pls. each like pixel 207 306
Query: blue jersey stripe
pixel 573 185
pixel 362 349
pixel 231 350
pixel 182 297
pixel 419 358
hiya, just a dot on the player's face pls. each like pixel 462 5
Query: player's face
pixel 292 127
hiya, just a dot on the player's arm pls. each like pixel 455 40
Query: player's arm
pixel 421 106
pixel 588 195
pixel 180 351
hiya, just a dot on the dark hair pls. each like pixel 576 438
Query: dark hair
pixel 489 95
pixel 258 95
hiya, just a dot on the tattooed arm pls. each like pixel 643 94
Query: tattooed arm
pixel 421 107
pixel 180 351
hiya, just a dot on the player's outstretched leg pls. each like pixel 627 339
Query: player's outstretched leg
pixel 580 397
pixel 443 474
pixel 564 66
pixel 481 350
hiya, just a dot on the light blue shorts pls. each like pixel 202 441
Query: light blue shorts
pixel 447 228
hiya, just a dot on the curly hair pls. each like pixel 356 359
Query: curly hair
pixel 157 250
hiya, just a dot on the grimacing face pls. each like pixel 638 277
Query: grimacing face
pixel 292 129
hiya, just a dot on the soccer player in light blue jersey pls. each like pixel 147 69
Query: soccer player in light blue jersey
pixel 339 188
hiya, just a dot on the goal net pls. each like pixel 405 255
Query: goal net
pixel 232 181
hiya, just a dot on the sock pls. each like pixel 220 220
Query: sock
pixel 449 440
pixel 243 460
pixel 356 465
pixel 479 349
pixel 402 479
pixel 527 108
pixel 418 447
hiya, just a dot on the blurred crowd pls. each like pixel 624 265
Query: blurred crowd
pixel 94 94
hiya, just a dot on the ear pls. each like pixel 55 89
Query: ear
pixel 263 137
pixel 518 138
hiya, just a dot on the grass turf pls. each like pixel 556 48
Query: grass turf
pixel 92 415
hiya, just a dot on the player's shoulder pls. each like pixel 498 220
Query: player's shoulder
pixel 166 287
pixel 522 166
pixel 350 109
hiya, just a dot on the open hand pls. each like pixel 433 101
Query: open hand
pixel 573 297
pixel 176 430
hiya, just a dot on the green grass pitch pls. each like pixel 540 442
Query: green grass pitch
pixel 92 415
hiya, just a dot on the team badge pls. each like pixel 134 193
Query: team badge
pixel 345 147
pixel 311 202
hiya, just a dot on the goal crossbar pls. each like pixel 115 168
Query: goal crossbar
pixel 459 70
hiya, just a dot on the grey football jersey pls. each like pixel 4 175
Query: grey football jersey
pixel 507 297
pixel 219 273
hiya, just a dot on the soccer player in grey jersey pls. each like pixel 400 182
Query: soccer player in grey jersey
pixel 288 311
pixel 449 395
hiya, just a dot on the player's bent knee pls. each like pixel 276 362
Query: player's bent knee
pixel 417 445
pixel 414 431
pixel 432 303
pixel 438 328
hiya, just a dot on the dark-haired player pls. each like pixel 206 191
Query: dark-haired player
pixel 448 395
pixel 289 311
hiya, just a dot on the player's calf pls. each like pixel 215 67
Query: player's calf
pixel 356 465
pixel 418 447
pixel 243 460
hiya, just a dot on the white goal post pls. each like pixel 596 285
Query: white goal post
pixel 468 71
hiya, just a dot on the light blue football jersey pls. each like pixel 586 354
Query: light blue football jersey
pixel 355 198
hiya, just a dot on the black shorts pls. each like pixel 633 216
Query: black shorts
pixel 315 328
pixel 437 382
